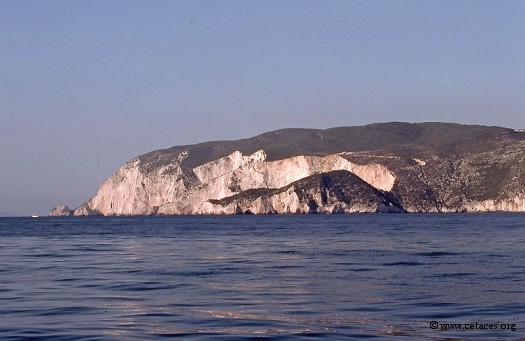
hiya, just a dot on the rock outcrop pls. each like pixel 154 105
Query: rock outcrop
pixel 61 211
pixel 391 167
pixel 331 192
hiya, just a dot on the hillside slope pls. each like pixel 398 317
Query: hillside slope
pixel 425 167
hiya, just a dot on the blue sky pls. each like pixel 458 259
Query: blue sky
pixel 87 85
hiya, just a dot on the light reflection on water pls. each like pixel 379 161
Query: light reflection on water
pixel 273 276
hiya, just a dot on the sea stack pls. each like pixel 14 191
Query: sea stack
pixel 61 211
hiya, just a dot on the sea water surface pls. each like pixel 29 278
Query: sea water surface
pixel 403 276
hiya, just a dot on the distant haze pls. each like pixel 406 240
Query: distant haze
pixel 87 85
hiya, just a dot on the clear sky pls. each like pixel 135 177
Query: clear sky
pixel 87 85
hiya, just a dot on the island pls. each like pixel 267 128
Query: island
pixel 383 167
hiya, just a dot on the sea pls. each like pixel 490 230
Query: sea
pixel 455 276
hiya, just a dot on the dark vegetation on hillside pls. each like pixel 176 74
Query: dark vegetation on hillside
pixel 394 138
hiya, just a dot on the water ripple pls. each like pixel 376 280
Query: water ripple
pixel 272 277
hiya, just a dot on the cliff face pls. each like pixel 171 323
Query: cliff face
pixel 163 190
pixel 378 168
pixel 331 192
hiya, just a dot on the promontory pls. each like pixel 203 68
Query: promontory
pixel 385 167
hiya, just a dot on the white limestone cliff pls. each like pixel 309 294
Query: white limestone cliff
pixel 514 204
pixel 132 190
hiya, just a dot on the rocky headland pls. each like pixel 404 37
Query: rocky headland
pixel 388 167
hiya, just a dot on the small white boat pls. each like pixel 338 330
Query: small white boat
pixel 34 216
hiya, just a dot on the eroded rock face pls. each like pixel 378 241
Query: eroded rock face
pixel 515 204
pixel 132 190
pixel 330 192
pixel 392 167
